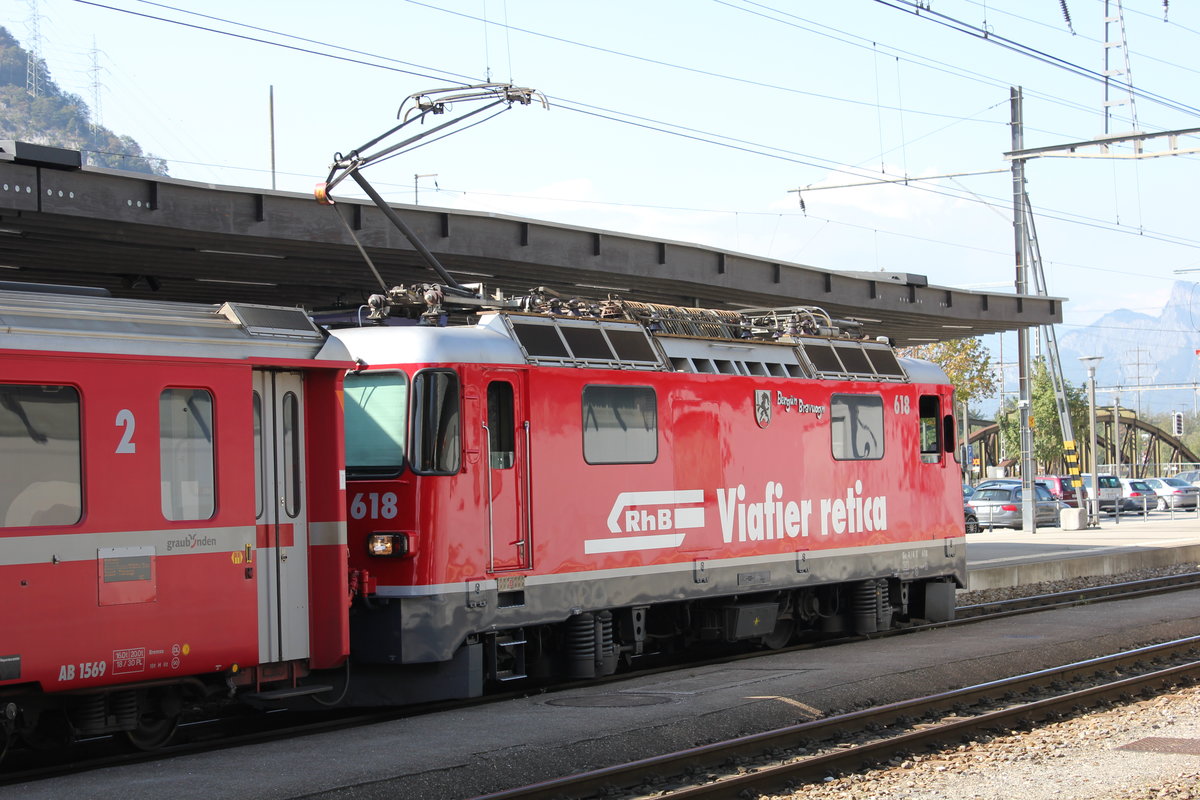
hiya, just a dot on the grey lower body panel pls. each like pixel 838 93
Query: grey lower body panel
pixel 414 625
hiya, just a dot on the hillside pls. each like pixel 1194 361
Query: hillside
pixel 1142 349
pixel 60 119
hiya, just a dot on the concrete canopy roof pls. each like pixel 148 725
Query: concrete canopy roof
pixel 141 236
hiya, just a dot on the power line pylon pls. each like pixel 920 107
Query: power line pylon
pixel 1113 87
pixel 34 68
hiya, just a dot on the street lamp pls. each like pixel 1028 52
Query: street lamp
pixel 1094 498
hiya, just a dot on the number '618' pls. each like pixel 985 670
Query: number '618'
pixel 374 505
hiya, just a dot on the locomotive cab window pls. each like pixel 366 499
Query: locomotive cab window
pixel 436 441
pixel 620 425
pixel 930 421
pixel 186 454
pixel 856 426
pixel 40 472
pixel 376 419
pixel 501 441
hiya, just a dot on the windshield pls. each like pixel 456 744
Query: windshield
pixel 376 422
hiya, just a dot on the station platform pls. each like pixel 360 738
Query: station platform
pixel 464 753
pixel 1000 558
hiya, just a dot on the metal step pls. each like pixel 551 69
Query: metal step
pixel 516 646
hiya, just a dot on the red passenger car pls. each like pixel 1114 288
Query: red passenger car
pixel 542 494
pixel 171 511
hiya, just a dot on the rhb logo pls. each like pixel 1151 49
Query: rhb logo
pixel 650 521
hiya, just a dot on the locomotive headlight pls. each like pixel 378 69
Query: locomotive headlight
pixel 386 545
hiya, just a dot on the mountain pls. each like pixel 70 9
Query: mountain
pixel 1142 349
pixel 60 119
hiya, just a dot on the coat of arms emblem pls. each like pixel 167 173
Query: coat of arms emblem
pixel 762 407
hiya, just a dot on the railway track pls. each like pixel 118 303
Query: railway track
pixel 780 760
pixel 202 735
pixel 1115 591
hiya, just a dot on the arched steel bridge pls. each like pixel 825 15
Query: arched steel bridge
pixel 1145 450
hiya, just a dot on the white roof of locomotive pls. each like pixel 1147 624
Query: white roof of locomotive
pixel 491 342
pixel 422 344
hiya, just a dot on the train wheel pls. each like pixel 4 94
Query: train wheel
pixel 782 635
pixel 152 731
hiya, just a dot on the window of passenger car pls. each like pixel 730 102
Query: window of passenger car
pixel 40 456
pixel 376 419
pixel 856 426
pixel 620 425
pixel 186 454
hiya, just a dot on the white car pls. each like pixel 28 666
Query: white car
pixel 1174 493
pixel 1110 490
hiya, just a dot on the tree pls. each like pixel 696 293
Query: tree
pixel 967 363
pixel 1043 419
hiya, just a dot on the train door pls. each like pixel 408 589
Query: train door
pixel 506 438
pixel 282 524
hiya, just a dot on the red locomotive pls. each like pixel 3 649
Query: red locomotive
pixel 546 492
pixel 172 520
pixel 553 493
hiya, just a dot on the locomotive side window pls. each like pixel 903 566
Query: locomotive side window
pixel 501 447
pixel 856 426
pixel 436 437
pixel 40 466
pixel 376 422
pixel 186 474
pixel 930 422
pixel 620 425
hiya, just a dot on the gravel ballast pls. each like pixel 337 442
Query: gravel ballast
pixel 1082 758
pixel 1076 759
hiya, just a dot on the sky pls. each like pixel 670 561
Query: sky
pixel 726 123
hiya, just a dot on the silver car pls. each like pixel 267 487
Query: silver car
pixel 1137 495
pixel 999 506
pixel 1174 493
pixel 1192 476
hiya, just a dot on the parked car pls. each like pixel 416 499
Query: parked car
pixel 970 521
pixel 1137 495
pixel 1002 482
pixel 1192 476
pixel 1062 487
pixel 1110 490
pixel 997 482
pixel 999 505
pixel 1174 493
pixel 968 490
